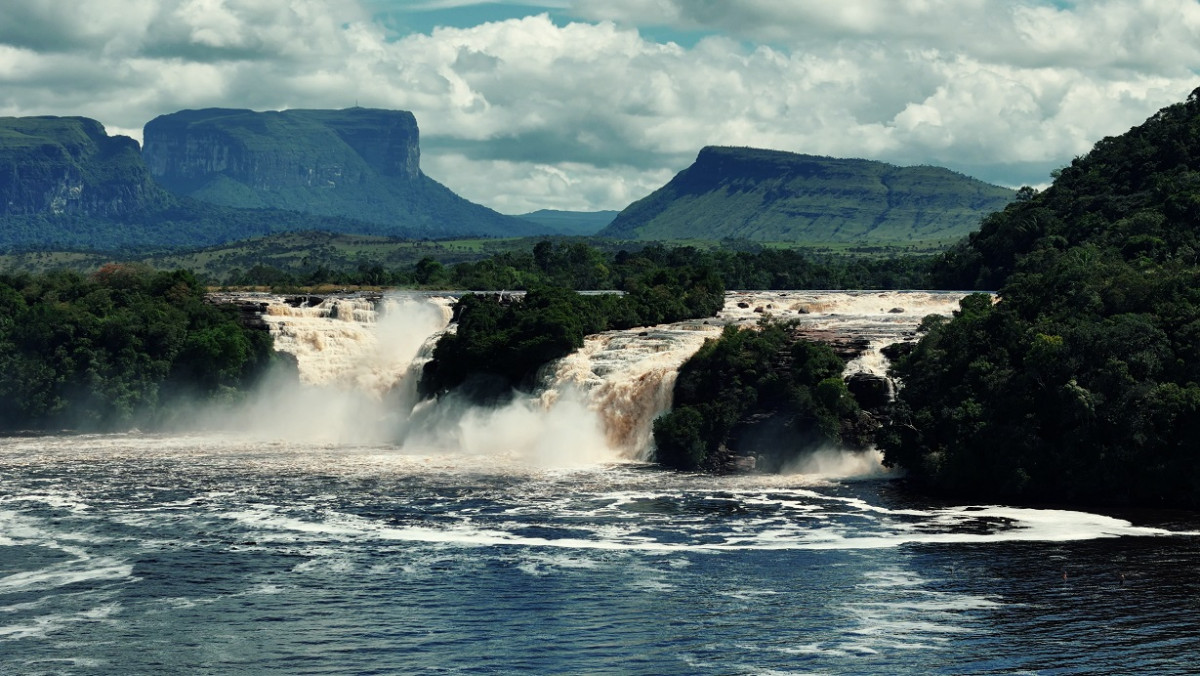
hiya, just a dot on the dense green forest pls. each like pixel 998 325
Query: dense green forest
pixel 756 392
pixel 501 346
pixel 175 223
pixel 118 348
pixel 590 265
pixel 1081 383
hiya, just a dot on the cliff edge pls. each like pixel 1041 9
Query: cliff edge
pixel 358 163
pixel 774 196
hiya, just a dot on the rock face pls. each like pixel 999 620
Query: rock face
pixel 69 166
pixel 356 163
pixel 274 151
pixel 773 196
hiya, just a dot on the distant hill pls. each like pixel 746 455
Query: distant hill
pixel 66 184
pixel 357 163
pixel 774 196
pixel 70 166
pixel 581 223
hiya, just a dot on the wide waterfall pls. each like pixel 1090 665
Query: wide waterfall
pixel 360 342
pixel 359 358
pixel 336 525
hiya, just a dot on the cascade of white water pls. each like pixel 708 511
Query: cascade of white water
pixel 356 343
pixel 598 402
pixel 627 377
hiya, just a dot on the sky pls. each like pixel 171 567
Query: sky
pixel 592 104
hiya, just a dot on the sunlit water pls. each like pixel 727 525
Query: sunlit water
pixel 141 554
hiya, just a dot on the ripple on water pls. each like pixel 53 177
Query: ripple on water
pixel 284 557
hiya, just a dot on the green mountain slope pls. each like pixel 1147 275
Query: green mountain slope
pixel 581 223
pixel 356 163
pixel 71 166
pixel 1082 384
pixel 773 196
pixel 66 184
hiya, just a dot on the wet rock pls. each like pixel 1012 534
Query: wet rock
pixel 743 304
pixel 897 351
pixel 870 391
pixel 303 301
pixel 744 463
pixel 896 310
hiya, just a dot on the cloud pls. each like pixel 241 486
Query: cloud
pixel 542 112
pixel 1161 36
pixel 518 187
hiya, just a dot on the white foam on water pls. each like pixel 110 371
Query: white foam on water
pixel 68 500
pixel 836 463
pixel 49 624
pixel 63 574
pixel 612 507
pixel 774 533
pixel 561 432
pixel 542 565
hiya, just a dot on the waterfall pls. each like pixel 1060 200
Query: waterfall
pixel 627 378
pixel 357 342
pixel 356 356
pixel 360 358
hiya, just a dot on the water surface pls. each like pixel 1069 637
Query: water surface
pixel 141 554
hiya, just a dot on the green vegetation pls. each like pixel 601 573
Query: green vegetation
pixel 69 166
pixel 578 223
pixel 772 196
pixel 183 223
pixel 315 258
pixel 755 392
pixel 116 349
pixel 1081 383
pixel 500 346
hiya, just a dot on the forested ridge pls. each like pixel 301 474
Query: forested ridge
pixel 1081 383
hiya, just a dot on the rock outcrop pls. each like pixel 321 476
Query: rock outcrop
pixel 358 163
pixel 70 166
pixel 274 151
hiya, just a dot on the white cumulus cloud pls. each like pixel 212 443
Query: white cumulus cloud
pixel 593 104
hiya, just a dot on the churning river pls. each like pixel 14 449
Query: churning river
pixel 267 552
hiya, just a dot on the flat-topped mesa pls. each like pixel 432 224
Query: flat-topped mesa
pixel 71 166
pixel 776 196
pixel 276 150
pixel 359 163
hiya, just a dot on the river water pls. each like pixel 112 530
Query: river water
pixel 142 554
pixel 533 539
